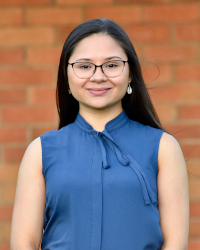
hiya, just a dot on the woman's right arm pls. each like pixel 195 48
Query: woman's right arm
pixel 29 207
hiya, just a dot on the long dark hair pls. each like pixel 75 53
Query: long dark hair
pixel 138 105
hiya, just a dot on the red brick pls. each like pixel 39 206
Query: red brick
pixel 175 93
pixel 12 96
pixel 14 155
pixel 121 14
pixel 189 112
pixel 11 16
pixel 1 202
pixel 26 76
pixel 26 36
pixel 194 229
pixel 12 135
pixel 6 213
pixel 186 1
pixel 80 2
pixel 194 245
pixel 156 74
pixel 12 56
pixel 187 72
pixel 171 13
pixel 195 209
pixel 171 53
pixel 142 1
pixel 191 151
pixel 138 51
pixel 40 131
pixel 28 114
pixel 190 32
pixel 63 32
pixel 44 56
pixel 24 2
pixel 6 232
pixel 183 131
pixel 148 33
pixel 166 112
pixel 42 95
pixel 193 168
pixel 8 174
pixel 4 247
pixel 9 193
pixel 1 232
pixel 54 16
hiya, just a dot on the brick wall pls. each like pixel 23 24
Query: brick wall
pixel 166 34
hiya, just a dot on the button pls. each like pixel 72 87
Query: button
pixel 100 134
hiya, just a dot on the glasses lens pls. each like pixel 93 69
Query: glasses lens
pixel 83 69
pixel 113 68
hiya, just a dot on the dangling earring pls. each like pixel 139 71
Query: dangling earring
pixel 69 91
pixel 129 89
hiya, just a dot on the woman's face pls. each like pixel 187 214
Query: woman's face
pixel 97 49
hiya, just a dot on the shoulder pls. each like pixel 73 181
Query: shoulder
pixel 168 144
pixel 169 151
pixel 34 147
pixel 33 151
pixel 31 164
pixel 143 128
pixel 58 135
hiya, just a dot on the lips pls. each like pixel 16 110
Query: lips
pixel 98 91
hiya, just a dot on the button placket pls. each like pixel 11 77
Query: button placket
pixel 97 197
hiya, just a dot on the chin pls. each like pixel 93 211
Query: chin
pixel 98 107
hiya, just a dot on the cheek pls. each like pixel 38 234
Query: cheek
pixel 122 82
pixel 75 85
pixel 124 77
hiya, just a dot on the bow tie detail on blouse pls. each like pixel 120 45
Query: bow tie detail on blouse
pixel 115 148
pixel 126 160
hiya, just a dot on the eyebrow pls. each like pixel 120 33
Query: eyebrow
pixel 111 57
pixel 107 58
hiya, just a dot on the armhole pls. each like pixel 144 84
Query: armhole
pixel 43 154
pixel 157 147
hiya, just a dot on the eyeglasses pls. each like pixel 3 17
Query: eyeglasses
pixel 85 70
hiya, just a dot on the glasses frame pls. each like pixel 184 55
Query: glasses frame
pixel 101 66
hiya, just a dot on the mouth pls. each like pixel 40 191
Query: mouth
pixel 98 91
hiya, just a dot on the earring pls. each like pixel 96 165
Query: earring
pixel 129 89
pixel 69 91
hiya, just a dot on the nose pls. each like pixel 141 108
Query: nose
pixel 98 76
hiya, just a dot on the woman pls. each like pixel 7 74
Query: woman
pixel 110 178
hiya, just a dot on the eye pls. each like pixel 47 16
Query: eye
pixel 85 66
pixel 82 66
pixel 111 65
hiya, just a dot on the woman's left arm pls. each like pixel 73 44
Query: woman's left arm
pixel 173 195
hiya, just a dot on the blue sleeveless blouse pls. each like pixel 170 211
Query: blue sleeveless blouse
pixel 101 187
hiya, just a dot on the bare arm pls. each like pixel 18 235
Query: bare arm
pixel 29 207
pixel 173 195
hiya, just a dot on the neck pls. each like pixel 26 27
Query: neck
pixel 98 118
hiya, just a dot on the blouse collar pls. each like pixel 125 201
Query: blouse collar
pixel 110 126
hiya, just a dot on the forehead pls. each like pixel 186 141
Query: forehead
pixel 98 46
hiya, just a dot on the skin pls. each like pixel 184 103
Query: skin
pixel 29 207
